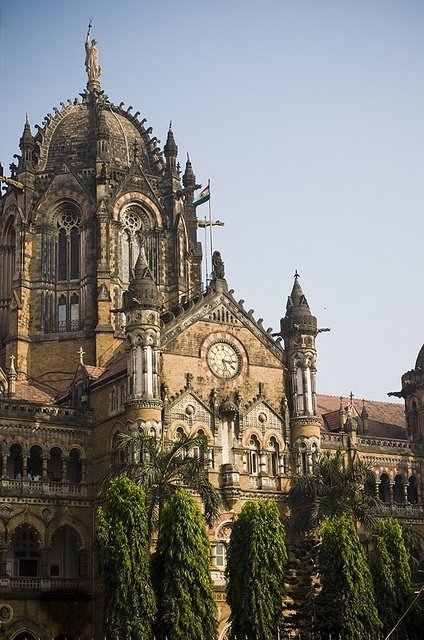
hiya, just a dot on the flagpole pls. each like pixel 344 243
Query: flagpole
pixel 206 258
pixel 210 219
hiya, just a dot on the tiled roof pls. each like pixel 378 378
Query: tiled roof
pixel 94 372
pixel 32 391
pixel 385 419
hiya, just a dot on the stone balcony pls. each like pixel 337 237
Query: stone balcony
pixel 33 488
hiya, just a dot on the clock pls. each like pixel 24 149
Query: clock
pixel 224 360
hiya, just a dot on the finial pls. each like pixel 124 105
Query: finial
pixel 351 397
pixel 81 354
pixel 170 125
pixel 296 274
pixel 12 370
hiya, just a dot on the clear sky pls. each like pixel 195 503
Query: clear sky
pixel 307 117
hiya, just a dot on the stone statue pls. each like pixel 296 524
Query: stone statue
pixel 92 58
pixel 218 265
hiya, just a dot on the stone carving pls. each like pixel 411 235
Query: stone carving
pixel 218 265
pixel 92 58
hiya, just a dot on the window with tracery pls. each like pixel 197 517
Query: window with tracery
pixel 67 313
pixel 68 243
pixel 131 239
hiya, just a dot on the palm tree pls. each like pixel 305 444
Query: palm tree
pixel 162 467
pixel 334 488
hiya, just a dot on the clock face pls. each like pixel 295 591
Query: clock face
pixel 224 360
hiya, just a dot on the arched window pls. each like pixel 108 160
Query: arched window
pixel 64 553
pixel 7 271
pixel 384 488
pixel 74 467
pixel 35 463
pixel 273 456
pixel 15 462
pixel 399 490
pixel 412 419
pixel 54 465
pixel 303 459
pixel 24 554
pixel 254 452
pixel 68 242
pixel 412 490
pixel 118 453
pixel 131 239
pixel 67 272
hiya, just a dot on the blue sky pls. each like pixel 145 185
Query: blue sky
pixel 307 117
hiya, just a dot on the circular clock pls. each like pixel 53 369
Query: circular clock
pixel 223 360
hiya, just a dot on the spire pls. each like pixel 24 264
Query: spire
pixel 298 316
pixel 26 145
pixel 171 150
pixel 142 291
pixel 189 179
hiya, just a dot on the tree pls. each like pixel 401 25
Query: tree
pixel 332 489
pixel 346 604
pixel 124 561
pixel 162 467
pixel 187 609
pixel 392 575
pixel 256 571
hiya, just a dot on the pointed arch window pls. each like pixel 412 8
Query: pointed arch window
pixel 254 452
pixel 131 239
pixel 68 243
pixel 273 456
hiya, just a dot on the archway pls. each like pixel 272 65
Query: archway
pixel 25 635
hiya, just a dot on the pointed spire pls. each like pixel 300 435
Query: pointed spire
pixel 171 151
pixel 189 179
pixel 298 316
pixel 26 145
pixel 142 291
pixel 297 297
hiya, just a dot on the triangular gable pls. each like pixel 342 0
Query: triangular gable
pixel 136 180
pixel 261 413
pixel 221 308
pixel 188 408
pixel 66 177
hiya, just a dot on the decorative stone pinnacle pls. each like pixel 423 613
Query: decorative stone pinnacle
pixel 81 354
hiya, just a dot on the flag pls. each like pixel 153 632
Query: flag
pixel 204 196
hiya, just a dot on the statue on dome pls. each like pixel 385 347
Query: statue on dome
pixel 92 58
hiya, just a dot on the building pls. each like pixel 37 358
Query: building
pixel 105 326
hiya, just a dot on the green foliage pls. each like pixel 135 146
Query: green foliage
pixel 346 604
pixel 124 562
pixel 332 489
pixel 164 467
pixel 187 609
pixel 392 575
pixel 256 571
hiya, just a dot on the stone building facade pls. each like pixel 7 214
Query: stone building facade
pixel 106 326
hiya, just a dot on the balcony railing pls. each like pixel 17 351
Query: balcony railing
pixel 44 584
pixel 41 487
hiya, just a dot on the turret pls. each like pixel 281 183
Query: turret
pixel 27 146
pixel 299 330
pixel 171 152
pixel 189 181
pixel 142 304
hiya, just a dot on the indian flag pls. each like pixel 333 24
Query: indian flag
pixel 203 196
